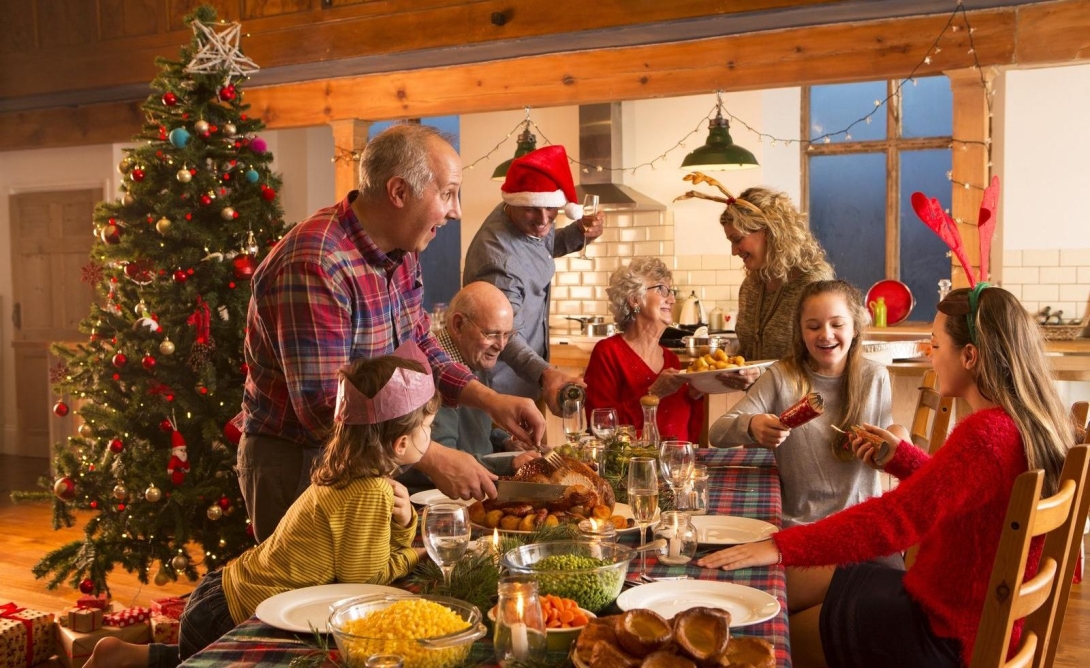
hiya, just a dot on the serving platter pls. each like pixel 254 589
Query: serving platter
pixel 706 381
pixel 430 497
pixel 622 509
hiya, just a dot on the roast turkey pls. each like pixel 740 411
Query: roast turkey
pixel 579 478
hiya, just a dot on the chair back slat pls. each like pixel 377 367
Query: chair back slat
pixel 931 421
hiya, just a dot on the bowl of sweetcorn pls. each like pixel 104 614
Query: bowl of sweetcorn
pixel 426 631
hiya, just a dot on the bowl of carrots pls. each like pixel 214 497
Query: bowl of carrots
pixel 564 621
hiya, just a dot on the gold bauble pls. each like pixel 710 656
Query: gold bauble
pixel 85 430
pixel 179 562
pixel 184 176
pixel 153 494
pixel 120 492
pixel 163 225
pixel 214 512
pixel 201 126
pixel 166 347
pixel 162 579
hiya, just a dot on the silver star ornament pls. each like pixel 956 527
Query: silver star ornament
pixel 220 53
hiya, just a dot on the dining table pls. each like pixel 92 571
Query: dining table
pixel 742 482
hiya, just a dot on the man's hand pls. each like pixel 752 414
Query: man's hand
pixel 517 416
pixel 593 226
pixel 402 513
pixel 512 444
pixel 552 379
pixel 520 460
pixel 457 474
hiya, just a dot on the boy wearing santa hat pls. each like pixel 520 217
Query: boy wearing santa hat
pixel 514 250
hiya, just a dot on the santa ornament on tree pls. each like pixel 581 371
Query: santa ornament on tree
pixel 178 465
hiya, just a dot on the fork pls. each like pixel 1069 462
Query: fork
pixel 555 460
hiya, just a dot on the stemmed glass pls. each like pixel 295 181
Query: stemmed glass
pixel 643 498
pixel 677 459
pixel 603 422
pixel 575 420
pixel 446 535
pixel 590 208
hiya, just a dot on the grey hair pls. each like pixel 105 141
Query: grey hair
pixel 627 282
pixel 402 150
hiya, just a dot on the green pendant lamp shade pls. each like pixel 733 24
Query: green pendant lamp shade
pixel 719 153
pixel 526 142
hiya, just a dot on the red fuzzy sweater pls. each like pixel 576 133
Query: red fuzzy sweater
pixel 953 505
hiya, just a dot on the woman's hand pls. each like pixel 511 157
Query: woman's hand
pixel 870 449
pixel 767 430
pixel 402 513
pixel 667 383
pixel 764 553
pixel 740 379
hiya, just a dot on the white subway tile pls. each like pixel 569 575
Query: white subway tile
pixel 1074 292
pixel 568 307
pixel 1022 275
pixel 1040 258
pixel 1059 275
pixel 714 261
pixel 595 278
pixel 621 250
pixel 1074 257
pixel 1041 293
pixel 648 248
pixel 1015 289
pixel 1012 258
pixel 568 278
pixel 561 264
pixel 607 263
pixel 720 293
pixel 702 278
pixel 667 249
pixel 621 219
pixel 559 293
pixel 581 292
pixel 1084 275
pixel 688 261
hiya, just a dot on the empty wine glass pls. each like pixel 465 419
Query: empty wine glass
pixel 677 459
pixel 575 420
pixel 643 498
pixel 590 209
pixel 603 422
pixel 446 535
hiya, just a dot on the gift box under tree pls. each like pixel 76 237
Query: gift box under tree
pixel 26 636
pixel 75 648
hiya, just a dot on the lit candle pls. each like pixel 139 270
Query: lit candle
pixel 496 545
pixel 675 547
pixel 520 644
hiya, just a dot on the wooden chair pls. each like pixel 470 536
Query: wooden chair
pixel 931 422
pixel 1041 600
pixel 1079 412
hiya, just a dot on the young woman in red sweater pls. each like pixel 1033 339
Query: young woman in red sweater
pixel 987 350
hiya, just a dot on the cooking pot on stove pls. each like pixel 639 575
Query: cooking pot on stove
pixel 594 325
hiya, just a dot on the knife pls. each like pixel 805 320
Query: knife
pixel 512 490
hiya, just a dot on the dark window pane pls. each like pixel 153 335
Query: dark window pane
pixel 833 108
pixel 848 214
pixel 923 254
pixel 927 108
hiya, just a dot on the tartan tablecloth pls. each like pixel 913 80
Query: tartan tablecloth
pixel 745 492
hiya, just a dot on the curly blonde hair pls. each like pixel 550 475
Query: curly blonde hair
pixel 627 282
pixel 791 245
pixel 367 450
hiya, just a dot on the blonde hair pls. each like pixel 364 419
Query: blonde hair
pixel 852 386
pixel 1009 373
pixel 367 450
pixel 791 245
pixel 627 281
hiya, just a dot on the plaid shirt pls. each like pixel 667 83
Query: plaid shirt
pixel 324 296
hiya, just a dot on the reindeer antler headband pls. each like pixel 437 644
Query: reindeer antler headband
pixel 404 392
pixel 932 214
pixel 697 177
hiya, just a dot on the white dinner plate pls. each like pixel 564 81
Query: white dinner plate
pixel 622 509
pixel 746 605
pixel 727 530
pixel 430 497
pixel 706 381
pixel 300 609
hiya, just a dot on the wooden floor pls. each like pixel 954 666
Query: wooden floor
pixel 25 535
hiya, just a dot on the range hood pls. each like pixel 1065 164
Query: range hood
pixel 600 144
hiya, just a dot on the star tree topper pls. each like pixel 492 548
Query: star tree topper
pixel 220 52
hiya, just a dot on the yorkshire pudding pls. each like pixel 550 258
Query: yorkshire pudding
pixel 642 631
pixel 748 652
pixel 703 633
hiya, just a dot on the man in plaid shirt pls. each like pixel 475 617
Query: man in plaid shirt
pixel 344 284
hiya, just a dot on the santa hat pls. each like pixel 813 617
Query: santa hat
pixel 542 178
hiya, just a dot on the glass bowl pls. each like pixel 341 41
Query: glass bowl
pixel 592 587
pixel 436 651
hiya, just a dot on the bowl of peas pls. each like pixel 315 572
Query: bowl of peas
pixel 589 572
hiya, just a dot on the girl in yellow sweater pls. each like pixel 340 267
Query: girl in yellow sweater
pixel 353 524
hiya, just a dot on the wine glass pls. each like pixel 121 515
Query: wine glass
pixel 446 535
pixel 677 459
pixel 590 208
pixel 603 422
pixel 643 498
pixel 575 420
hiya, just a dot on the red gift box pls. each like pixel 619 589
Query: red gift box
pixel 100 602
pixel 126 617
pixel 26 636
pixel 168 607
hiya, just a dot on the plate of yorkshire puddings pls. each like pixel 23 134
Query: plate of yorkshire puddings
pixel 698 636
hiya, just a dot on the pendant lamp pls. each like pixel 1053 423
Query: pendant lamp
pixel 526 142
pixel 719 152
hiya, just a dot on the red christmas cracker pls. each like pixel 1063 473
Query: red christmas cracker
pixel 126 617
pixel 169 607
pixel 804 410
pixel 26 636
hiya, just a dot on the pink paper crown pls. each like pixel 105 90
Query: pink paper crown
pixel 933 215
pixel 406 391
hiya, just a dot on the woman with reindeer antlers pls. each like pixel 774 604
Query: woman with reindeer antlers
pixel 781 257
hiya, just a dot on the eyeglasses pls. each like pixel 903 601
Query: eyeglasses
pixel 492 336
pixel 663 290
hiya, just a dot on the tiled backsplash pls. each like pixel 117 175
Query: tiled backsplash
pixel 1059 279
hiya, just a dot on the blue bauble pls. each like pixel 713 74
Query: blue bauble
pixel 252 176
pixel 179 137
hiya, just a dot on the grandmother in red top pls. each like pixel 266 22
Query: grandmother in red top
pixel 987 350
pixel 629 365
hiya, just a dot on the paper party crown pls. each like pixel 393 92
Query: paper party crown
pixel 404 392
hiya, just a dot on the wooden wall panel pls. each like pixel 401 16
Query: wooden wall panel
pixel 19 33
pixel 256 9
pixel 64 24
pixel 1054 32
pixel 226 10
pixel 128 18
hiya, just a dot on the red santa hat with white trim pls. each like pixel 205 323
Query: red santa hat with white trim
pixel 542 178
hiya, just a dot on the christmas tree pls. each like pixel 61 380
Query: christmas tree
pixel 162 371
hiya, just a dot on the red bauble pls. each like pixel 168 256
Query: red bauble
pixel 243 266
pixel 165 426
pixel 148 362
pixel 170 99
pixel 224 502
pixel 119 360
pixel 137 174
pixel 268 193
pixel 65 488
pixel 87 586
pixel 227 93
pixel 110 235
pixel 117 445
pixel 140 272
pixel 180 276
pixel 206 200
pixel 60 409
pixel 232 433
pixel 94 505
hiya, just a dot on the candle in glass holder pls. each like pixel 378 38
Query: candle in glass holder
pixel 520 623
pixel 680 536
pixel 599 530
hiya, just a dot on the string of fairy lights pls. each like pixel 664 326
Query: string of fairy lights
pixel 951 26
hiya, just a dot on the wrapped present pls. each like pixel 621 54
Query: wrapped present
pixel 83 620
pixel 168 607
pixel 101 602
pixel 75 648
pixel 26 636
pixel 164 629
pixel 126 617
